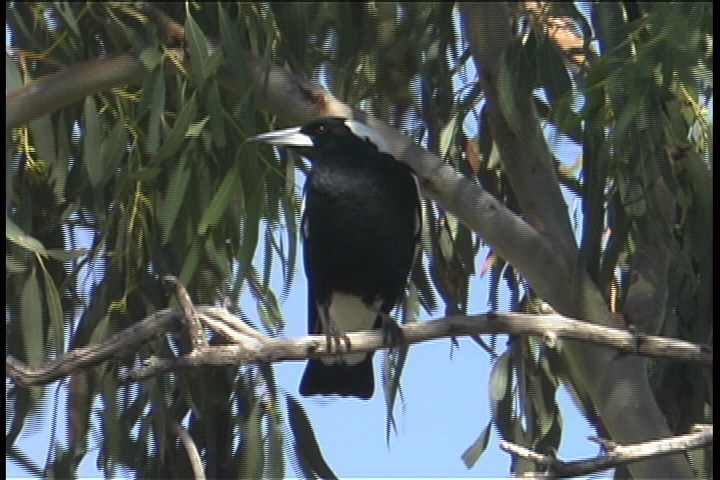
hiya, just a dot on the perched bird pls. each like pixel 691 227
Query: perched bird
pixel 360 229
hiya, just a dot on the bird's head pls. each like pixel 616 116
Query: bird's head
pixel 324 135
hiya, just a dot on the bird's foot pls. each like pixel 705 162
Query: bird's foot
pixel 334 334
pixel 392 333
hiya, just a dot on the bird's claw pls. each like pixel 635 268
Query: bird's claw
pixel 334 335
pixel 392 333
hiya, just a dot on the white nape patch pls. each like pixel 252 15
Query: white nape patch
pixel 350 314
pixel 364 131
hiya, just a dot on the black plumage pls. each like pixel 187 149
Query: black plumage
pixel 360 225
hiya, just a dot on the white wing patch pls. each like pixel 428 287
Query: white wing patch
pixel 350 314
pixel 364 131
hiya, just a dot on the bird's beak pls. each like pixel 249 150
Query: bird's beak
pixel 290 137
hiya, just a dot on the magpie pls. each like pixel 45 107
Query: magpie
pixel 360 229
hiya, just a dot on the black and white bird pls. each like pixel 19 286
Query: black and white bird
pixel 360 228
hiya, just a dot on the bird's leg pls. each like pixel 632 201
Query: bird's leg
pixel 332 330
pixel 392 333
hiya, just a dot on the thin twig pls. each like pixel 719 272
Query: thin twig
pixel 191 449
pixel 190 315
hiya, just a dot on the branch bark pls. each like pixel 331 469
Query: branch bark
pixel 553 329
pixel 616 454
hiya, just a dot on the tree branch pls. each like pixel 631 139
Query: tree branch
pixel 257 348
pixel 616 454
pixel 190 316
pixel 192 452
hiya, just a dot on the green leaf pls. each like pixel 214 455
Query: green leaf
pixel 55 311
pixel 176 137
pixel 14 265
pixel 102 330
pixel 393 366
pixel 66 11
pixel 112 150
pixel 196 129
pixel 267 306
pixel 552 72
pixel 31 318
pixel 213 62
pixel 157 108
pixel 43 137
pixel 310 458
pixel 477 448
pixel 192 259
pixel 251 456
pixel 217 116
pixel 174 199
pixel 67 255
pixel 150 57
pixel 92 138
pixel 18 237
pixel 13 80
pixel 447 138
pixel 198 46
pixel 275 464
pixel 222 198
pixel 501 395
pixel 516 79
pixel 59 169
pixel 231 39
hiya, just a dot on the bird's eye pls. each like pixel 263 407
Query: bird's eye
pixel 321 129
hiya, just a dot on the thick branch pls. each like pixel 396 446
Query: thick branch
pixel 529 169
pixel 52 92
pixel 252 349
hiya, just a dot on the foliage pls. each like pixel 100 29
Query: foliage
pixel 108 194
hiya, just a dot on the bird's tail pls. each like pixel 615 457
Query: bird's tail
pixel 338 378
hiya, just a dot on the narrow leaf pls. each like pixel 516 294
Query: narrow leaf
pixel 174 199
pixel 18 237
pixel 501 394
pixel 31 313
pixel 157 108
pixel 251 458
pixel 310 457
pixel 473 452
pixel 54 307
pixel 198 46
pixel 224 195
pixel 13 80
pixel 112 150
pixel 92 138
pixel 176 137
pixel 552 73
